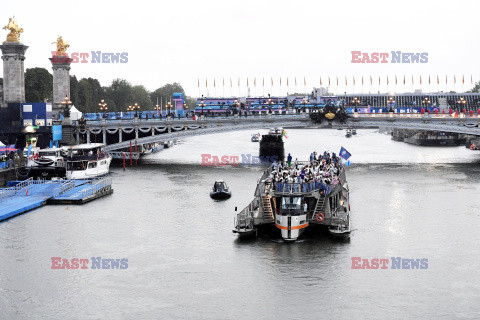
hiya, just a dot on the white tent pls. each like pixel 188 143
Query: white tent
pixel 1 144
pixel 74 113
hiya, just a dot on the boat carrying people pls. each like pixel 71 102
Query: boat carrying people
pixel 305 195
pixel 220 191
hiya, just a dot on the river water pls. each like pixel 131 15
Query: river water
pixel 184 262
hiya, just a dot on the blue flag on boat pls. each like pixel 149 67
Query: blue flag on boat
pixel 29 151
pixel 344 153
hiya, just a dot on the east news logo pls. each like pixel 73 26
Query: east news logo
pixel 96 263
pixel 392 57
pixel 396 263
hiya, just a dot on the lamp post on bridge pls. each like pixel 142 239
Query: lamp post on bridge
pixel 355 103
pixel 391 101
pixel 304 102
pixel 461 105
pixel 426 102
pixel 169 108
pixel 270 105
pixel 103 107
pixel 202 104
pixel 66 113
pixel 130 109
pixel 135 108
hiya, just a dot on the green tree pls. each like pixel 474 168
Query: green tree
pixel 165 93
pixel 38 85
pixel 141 96
pixel 120 93
pixel 111 104
pixel 476 88
pixel 74 90
pixel 96 90
pixel 191 103
pixel 85 102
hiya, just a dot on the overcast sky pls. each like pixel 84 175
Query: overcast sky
pixel 183 41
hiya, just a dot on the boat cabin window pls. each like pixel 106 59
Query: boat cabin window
pixel 92 165
pixel 220 185
pixel 291 203
pixel 76 165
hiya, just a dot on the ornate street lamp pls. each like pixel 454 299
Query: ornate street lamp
pixel 103 107
pixel 202 105
pixel 66 103
pixel 426 102
pixel 355 102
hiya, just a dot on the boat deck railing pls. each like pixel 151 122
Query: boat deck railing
pixel 245 218
pixel 305 187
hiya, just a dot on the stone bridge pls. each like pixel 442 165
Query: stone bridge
pixel 118 134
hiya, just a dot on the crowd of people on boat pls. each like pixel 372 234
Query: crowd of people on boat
pixel 321 172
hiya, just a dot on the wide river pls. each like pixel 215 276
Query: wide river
pixel 184 262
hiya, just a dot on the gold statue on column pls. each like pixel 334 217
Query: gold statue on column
pixel 14 35
pixel 62 46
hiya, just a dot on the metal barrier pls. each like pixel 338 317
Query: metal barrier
pixel 93 188
pixel 23 184
pixel 65 185
pixel 5 193
pixel 120 154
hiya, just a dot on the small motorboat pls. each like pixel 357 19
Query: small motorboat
pixel 220 191
pixel 168 144
pixel 255 137
pixel 354 131
pixel 348 134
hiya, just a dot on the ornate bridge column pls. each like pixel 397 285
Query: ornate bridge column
pixel 61 82
pixel 136 133
pixel 88 135
pixel 120 134
pixel 13 56
pixel 61 77
pixel 104 132
pixel 153 131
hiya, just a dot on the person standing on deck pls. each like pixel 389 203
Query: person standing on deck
pixel 289 160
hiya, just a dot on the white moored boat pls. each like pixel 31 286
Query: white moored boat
pixel 46 163
pixel 87 161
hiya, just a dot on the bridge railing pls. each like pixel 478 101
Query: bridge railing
pixel 199 118
pixel 413 115
pixel 284 116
